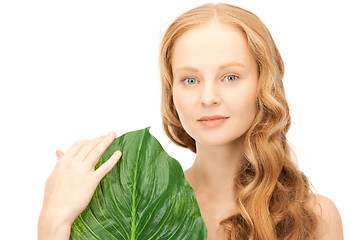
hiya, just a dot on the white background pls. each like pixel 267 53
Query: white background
pixel 74 70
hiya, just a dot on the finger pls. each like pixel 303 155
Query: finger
pixel 87 147
pixel 99 149
pixel 108 165
pixel 74 149
pixel 59 154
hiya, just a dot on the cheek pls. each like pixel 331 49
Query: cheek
pixel 183 103
pixel 243 103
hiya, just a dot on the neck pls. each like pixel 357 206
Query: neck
pixel 215 168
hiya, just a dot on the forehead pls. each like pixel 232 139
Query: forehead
pixel 215 42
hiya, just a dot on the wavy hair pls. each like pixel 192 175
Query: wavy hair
pixel 273 197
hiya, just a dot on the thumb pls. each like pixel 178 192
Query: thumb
pixel 59 154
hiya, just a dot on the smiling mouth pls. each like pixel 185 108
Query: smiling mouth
pixel 212 121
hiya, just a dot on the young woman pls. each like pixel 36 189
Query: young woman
pixel 223 98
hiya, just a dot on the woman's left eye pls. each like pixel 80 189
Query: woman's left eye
pixel 231 78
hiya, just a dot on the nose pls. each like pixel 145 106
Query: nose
pixel 210 94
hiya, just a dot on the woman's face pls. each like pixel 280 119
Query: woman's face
pixel 215 81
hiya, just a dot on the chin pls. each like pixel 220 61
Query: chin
pixel 217 138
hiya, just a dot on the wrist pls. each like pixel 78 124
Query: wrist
pixel 52 228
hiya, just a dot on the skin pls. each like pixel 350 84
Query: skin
pixel 216 91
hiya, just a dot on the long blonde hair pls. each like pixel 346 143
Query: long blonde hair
pixel 273 196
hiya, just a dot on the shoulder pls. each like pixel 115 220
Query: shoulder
pixel 330 225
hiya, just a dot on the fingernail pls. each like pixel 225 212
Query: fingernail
pixel 111 133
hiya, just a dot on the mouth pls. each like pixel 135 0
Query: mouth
pixel 209 118
pixel 212 121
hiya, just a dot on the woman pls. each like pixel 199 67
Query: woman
pixel 222 98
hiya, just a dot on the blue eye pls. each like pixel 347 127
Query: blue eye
pixel 189 81
pixel 231 78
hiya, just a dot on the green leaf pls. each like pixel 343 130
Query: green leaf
pixel 145 196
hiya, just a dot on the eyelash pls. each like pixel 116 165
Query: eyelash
pixel 227 75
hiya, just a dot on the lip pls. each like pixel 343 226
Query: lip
pixel 215 117
pixel 212 121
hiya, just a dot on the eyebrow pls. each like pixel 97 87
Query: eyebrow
pixel 225 65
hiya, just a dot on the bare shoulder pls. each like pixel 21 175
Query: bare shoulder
pixel 330 225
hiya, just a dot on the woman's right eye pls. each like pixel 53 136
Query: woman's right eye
pixel 189 81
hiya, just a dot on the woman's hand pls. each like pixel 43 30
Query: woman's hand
pixel 72 183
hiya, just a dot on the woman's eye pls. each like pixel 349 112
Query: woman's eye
pixel 231 78
pixel 190 81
